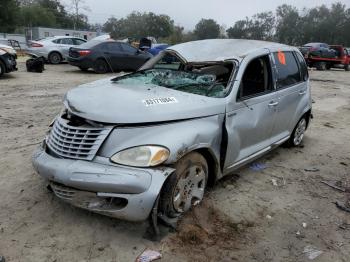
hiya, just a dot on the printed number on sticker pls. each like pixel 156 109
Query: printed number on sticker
pixel 159 101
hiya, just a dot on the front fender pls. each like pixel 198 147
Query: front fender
pixel 180 137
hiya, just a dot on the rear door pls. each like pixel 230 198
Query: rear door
pixel 113 54
pixel 250 120
pixel 64 45
pixel 291 84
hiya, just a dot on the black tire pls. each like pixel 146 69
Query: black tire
pixel 2 68
pixel 347 68
pixel 293 141
pixel 83 68
pixel 190 169
pixel 321 66
pixel 101 66
pixel 55 58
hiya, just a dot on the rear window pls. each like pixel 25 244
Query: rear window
pixel 287 69
pixel 90 44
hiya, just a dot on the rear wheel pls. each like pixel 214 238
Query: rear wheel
pixel 101 66
pixel 83 68
pixel 321 66
pixel 2 68
pixel 185 187
pixel 55 58
pixel 298 133
pixel 347 68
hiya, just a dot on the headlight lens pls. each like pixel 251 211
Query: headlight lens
pixel 141 156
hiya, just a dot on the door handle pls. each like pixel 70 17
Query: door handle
pixel 302 93
pixel 273 103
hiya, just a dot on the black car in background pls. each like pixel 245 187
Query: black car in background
pixel 107 56
pixel 7 62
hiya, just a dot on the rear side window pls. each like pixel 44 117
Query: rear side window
pixel 287 69
pixel 303 67
pixel 129 49
pixel 66 41
pixel 111 47
pixel 78 41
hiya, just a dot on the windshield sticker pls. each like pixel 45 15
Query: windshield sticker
pixel 159 101
pixel 281 57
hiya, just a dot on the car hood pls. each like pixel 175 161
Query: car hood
pixel 109 102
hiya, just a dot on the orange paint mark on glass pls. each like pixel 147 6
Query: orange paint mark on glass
pixel 281 57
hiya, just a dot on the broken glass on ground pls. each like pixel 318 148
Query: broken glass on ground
pixel 190 82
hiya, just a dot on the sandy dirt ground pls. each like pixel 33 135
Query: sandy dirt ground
pixel 280 213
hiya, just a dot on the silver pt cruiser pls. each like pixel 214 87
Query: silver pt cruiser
pixel 189 116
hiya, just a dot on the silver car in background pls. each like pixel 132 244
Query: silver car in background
pixel 158 137
pixel 53 49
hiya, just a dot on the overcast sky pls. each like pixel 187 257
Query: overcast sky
pixel 188 12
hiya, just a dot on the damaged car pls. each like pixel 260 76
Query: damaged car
pixel 155 139
pixel 8 58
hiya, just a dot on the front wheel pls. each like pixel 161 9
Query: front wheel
pixel 185 187
pixel 298 133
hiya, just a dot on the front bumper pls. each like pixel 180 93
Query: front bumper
pixel 122 192
pixel 10 63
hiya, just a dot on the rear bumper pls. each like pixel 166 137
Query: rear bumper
pixel 36 53
pixel 80 62
pixel 122 192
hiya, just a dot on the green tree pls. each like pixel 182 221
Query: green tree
pixel 8 15
pixel 36 15
pixel 207 29
pixel 288 22
pixel 259 27
pixel 137 25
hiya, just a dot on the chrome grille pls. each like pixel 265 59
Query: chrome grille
pixel 76 142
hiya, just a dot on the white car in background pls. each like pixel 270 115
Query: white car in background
pixel 6 48
pixel 53 49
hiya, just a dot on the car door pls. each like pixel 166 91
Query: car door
pixel 64 45
pixel 133 59
pixel 250 117
pixel 291 85
pixel 113 54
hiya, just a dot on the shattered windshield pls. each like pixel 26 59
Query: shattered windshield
pixel 190 82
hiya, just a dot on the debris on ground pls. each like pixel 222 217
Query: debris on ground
pixel 312 169
pixel 311 252
pixel 342 207
pixel 328 125
pixel 335 184
pixel 148 255
pixel 274 182
pixel 304 225
pixel 258 166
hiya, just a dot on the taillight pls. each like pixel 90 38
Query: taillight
pixel 36 45
pixel 84 52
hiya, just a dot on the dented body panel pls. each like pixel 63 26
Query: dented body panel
pixel 228 128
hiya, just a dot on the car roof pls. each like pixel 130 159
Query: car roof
pixel 220 49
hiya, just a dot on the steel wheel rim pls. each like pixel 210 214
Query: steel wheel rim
pixel 299 132
pixel 189 190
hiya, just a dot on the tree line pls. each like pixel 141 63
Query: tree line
pixel 286 24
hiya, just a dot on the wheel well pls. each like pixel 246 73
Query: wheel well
pixel 55 52
pixel 307 116
pixel 105 60
pixel 212 165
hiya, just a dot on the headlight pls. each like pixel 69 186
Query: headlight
pixel 141 156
